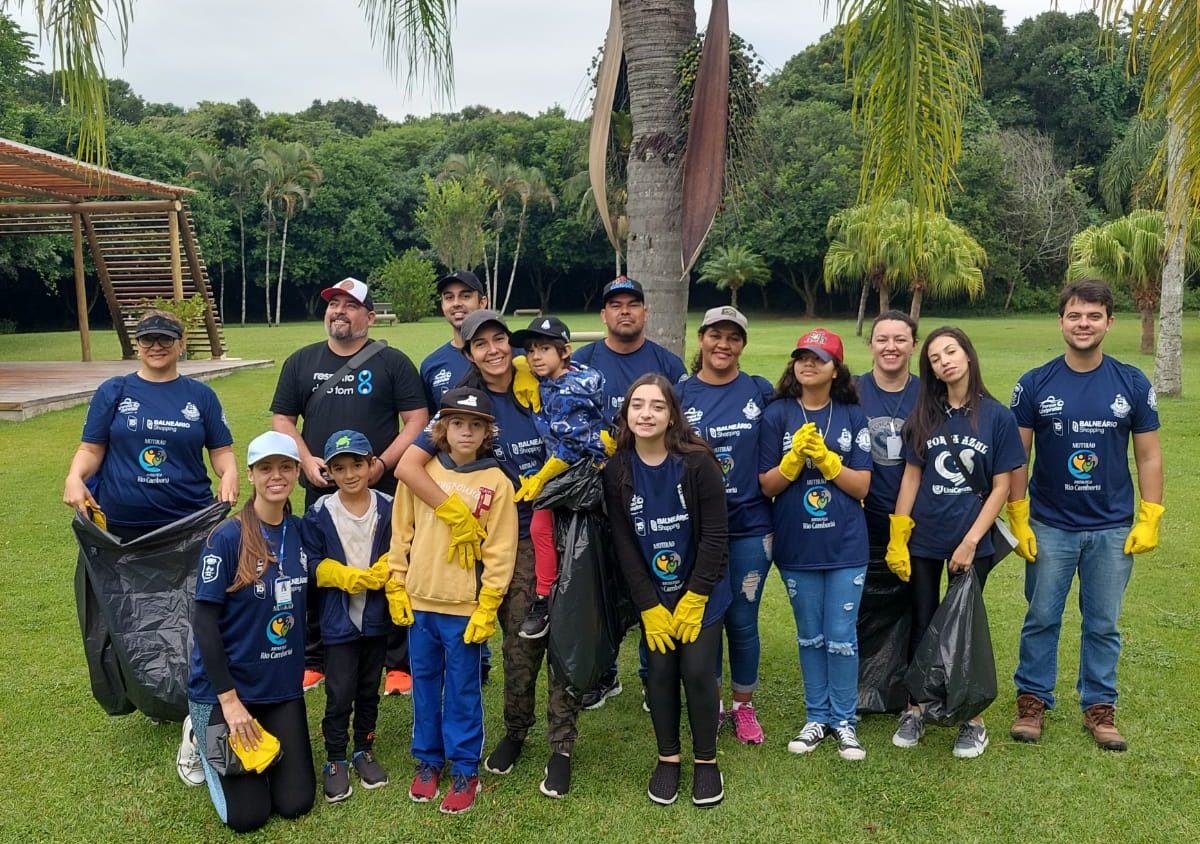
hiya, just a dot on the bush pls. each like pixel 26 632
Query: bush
pixel 409 282
pixel 8 326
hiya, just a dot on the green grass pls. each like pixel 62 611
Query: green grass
pixel 71 773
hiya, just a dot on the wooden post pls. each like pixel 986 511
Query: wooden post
pixel 85 336
pixel 110 292
pixel 176 258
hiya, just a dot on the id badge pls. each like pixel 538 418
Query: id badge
pixel 283 593
pixel 894 446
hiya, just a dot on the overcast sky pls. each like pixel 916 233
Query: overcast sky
pixel 525 55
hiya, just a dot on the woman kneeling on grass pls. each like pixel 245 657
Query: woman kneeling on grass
pixel 666 497
pixel 248 651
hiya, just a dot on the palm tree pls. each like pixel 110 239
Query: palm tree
pixel 855 253
pixel 732 267
pixel 241 181
pixel 271 177
pixel 209 167
pixel 300 176
pixel 531 187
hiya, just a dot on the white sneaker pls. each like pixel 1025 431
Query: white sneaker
pixel 811 736
pixel 849 747
pixel 187 760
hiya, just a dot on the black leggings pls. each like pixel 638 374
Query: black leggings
pixel 693 665
pixel 925 587
pixel 352 674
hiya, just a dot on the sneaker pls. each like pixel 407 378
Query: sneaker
pixel 537 622
pixel 971 742
pixel 708 786
pixel 461 796
pixel 746 728
pixel 370 773
pixel 187 760
pixel 425 783
pixel 397 683
pixel 1031 713
pixel 337 781
pixel 1099 721
pixel 664 783
pixel 312 679
pixel 558 776
pixel 812 735
pixel 911 729
pixel 849 747
pixel 506 754
pixel 594 698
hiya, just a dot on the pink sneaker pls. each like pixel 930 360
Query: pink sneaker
pixel 745 724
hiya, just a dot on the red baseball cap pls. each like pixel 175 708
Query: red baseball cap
pixel 821 342
pixel 353 288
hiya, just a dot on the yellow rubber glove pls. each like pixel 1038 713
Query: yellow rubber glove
pixel 334 575
pixel 660 627
pixel 827 462
pixel 379 573
pixel 792 463
pixel 1143 536
pixel 610 445
pixel 466 536
pixel 261 757
pixel 525 386
pixel 399 606
pixel 531 485
pixel 897 557
pixel 482 623
pixel 689 612
pixel 1018 523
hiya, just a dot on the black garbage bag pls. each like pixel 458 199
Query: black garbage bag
pixel 884 627
pixel 134 601
pixel 953 672
pixel 590 609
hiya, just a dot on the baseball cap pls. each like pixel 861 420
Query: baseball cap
pixel 347 441
pixel 725 313
pixel 353 288
pixel 158 324
pixel 462 277
pixel 477 319
pixel 621 284
pixel 271 444
pixel 821 342
pixel 467 401
pixel 551 328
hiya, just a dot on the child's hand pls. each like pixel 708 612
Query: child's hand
pixel 399 606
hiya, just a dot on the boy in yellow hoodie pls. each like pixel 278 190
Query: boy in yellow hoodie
pixel 452 610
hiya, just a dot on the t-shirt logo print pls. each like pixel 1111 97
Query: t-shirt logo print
pixel 1120 406
pixel 190 412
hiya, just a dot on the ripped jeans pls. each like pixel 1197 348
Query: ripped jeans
pixel 749 561
pixel 825 603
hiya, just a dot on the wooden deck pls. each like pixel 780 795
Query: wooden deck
pixel 28 388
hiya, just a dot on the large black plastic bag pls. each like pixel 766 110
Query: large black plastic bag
pixel 884 627
pixel 134 601
pixel 589 608
pixel 953 672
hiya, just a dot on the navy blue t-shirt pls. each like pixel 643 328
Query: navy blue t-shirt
pixel 946 506
pixel 155 434
pixel 886 412
pixel 1081 423
pixel 728 416
pixel 817 525
pixel 262 625
pixel 441 370
pixel 621 370
pixel 664 531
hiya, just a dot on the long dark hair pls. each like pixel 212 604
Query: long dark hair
pixel 842 390
pixel 254 553
pixel 680 438
pixel 932 405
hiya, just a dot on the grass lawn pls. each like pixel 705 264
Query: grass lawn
pixel 71 773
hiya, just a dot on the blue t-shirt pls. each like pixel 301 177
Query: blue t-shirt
pixel 886 412
pixel 441 370
pixel 621 370
pixel 262 625
pixel 728 417
pixel 664 531
pixel 817 525
pixel 946 506
pixel 1081 423
pixel 155 434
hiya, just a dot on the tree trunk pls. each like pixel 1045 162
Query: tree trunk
pixel 656 32
pixel 811 286
pixel 221 295
pixel 242 231
pixel 267 275
pixel 512 277
pixel 282 253
pixel 733 291
pixel 862 308
pixel 1147 347
pixel 885 297
pixel 914 311
pixel 1168 362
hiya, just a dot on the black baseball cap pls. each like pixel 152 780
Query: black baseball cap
pixel 549 328
pixel 621 284
pixel 462 277
pixel 477 319
pixel 158 324
pixel 468 401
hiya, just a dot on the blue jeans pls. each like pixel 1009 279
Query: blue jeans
pixel 825 604
pixel 749 561
pixel 1104 569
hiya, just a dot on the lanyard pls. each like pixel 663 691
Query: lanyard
pixel 893 413
pixel 828 420
pixel 282 543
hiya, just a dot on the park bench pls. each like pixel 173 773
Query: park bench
pixel 383 312
pixel 577 337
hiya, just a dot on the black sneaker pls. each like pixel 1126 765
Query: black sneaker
pixel 664 783
pixel 594 698
pixel 506 754
pixel 558 776
pixel 708 786
pixel 370 773
pixel 337 781
pixel 537 622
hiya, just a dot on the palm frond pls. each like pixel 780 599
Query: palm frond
pixel 415 38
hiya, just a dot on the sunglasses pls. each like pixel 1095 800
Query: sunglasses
pixel 149 341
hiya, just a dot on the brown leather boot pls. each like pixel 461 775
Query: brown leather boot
pixel 1098 720
pixel 1031 711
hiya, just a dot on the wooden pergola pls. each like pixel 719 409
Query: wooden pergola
pixel 139 233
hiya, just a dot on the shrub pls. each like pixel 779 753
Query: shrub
pixel 409 282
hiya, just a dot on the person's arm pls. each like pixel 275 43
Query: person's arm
pixel 84 465
pixel 910 482
pixel 224 463
pixel 1147 456
pixel 410 471
pixel 206 630
pixel 712 552
pixel 312 465
pixel 964 554
pixel 626 548
pixel 1019 484
pixel 853 482
pixel 414 421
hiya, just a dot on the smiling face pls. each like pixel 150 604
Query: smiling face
pixel 158 352
pixel 891 347
pixel 351 472
pixel 347 319
pixel 948 359
pixel 721 347
pixel 274 478
pixel 1084 324
pixel 624 316
pixel 648 412
pixel 491 352
pixel 458 300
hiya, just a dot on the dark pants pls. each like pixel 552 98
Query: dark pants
pixel 693 666
pixel 925 587
pixel 352 684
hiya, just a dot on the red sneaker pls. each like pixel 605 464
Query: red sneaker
pixel 461 796
pixel 312 679
pixel 425 783
pixel 397 683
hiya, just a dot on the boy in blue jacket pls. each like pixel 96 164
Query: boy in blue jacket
pixel 350 531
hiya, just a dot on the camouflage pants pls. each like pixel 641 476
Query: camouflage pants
pixel 523 660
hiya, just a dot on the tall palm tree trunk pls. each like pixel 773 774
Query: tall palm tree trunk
pixel 267 275
pixel 279 285
pixel 885 296
pixel 1168 360
pixel 512 276
pixel 242 231
pixel 918 294
pixel 862 307
pixel 1147 347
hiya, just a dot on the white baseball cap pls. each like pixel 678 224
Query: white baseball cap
pixel 353 288
pixel 271 444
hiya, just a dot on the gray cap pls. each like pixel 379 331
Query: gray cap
pixel 477 319
pixel 724 314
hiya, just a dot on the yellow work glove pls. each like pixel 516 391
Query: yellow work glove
pixel 531 485
pixel 660 627
pixel 482 623
pixel 610 445
pixel 399 607
pixel 792 463
pixel 261 757
pixel 689 612
pixel 334 575
pixel 827 462
pixel 466 536
pixel 377 575
pixel 1018 523
pixel 1143 536
pixel 525 385
pixel 897 557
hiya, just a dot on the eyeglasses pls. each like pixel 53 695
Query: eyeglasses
pixel 149 341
